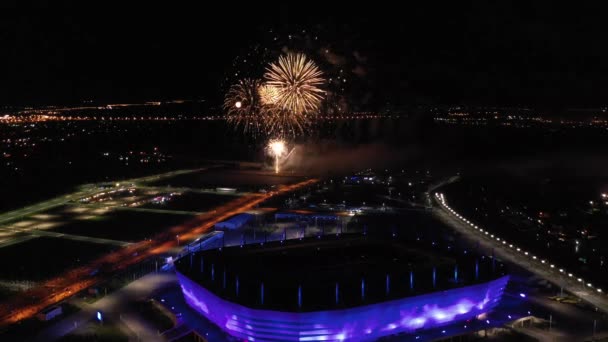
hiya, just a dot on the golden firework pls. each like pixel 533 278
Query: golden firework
pixel 242 105
pixel 284 104
pixel 297 81
pixel 277 149
pixel 269 95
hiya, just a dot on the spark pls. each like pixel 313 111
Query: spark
pixel 277 149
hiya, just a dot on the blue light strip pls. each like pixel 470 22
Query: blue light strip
pixel 367 322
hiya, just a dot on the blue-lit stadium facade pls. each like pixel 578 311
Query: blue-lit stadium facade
pixel 362 323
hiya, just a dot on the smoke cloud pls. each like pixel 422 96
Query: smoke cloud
pixel 329 157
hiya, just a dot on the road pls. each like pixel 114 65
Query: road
pixel 145 210
pixel 114 306
pixel 15 240
pixel 53 291
pixel 85 191
pixel 15 235
pixel 194 190
pixel 511 253
pixel 34 233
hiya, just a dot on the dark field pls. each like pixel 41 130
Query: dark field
pixel 123 225
pixel 44 257
pixel 243 180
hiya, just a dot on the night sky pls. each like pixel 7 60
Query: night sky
pixel 536 54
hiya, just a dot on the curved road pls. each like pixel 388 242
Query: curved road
pixel 511 253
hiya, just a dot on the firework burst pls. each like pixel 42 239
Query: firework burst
pixel 284 104
pixel 269 95
pixel 297 81
pixel 243 107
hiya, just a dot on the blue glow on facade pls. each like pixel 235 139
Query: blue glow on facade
pixel 411 280
pixel 337 293
pixel 300 296
pixel 262 294
pixel 388 284
pixel 367 322
pixel 363 289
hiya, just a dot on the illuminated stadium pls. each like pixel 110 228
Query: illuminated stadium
pixel 336 288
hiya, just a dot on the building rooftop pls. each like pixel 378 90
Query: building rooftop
pixel 305 275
